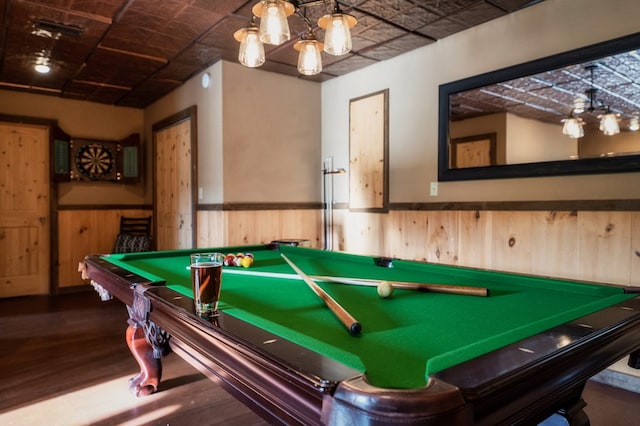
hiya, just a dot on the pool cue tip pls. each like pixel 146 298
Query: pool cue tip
pixel 353 326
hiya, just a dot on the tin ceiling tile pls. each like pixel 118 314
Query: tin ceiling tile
pixel 104 47
pixel 350 64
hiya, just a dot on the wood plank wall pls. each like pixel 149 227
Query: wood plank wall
pixel 600 246
pixel 239 227
pixel 86 231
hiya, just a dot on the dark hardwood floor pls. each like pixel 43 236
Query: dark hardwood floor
pixel 64 361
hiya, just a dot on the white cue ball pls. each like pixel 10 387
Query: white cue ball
pixel 385 289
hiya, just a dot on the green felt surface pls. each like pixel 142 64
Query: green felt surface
pixel 405 338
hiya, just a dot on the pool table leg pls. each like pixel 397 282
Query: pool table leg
pixel 634 359
pixel 147 380
pixel 147 343
pixel 575 415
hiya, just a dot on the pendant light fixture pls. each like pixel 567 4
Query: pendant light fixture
pixel 273 14
pixel 251 52
pixel 574 125
pixel 274 30
pixel 42 63
pixel 337 26
pixel 309 61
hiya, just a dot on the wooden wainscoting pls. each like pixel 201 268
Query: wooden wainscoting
pixel 87 231
pixel 254 226
pixel 601 246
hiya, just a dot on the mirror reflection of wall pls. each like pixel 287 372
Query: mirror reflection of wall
pixel 596 144
pixel 518 140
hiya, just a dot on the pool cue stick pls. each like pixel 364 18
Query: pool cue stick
pixel 345 317
pixel 435 288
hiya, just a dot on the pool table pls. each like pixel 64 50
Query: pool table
pixel 518 355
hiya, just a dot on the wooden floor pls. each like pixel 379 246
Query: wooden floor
pixel 64 361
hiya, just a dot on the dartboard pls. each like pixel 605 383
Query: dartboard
pixel 95 160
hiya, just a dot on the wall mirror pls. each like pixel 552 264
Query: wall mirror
pixel 573 113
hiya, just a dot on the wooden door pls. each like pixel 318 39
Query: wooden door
pixel 173 186
pixel 24 210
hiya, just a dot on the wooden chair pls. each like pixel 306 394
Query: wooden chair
pixel 134 235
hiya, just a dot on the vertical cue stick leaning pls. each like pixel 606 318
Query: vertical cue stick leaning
pixel 341 313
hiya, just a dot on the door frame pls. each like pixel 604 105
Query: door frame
pixel 190 113
pixel 51 124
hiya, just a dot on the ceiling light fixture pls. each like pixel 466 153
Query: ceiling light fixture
pixel 43 64
pixel 274 29
pixel 574 125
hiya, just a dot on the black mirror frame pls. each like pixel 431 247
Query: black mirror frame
pixel 549 168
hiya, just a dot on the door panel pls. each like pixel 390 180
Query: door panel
pixel 173 164
pixel 24 210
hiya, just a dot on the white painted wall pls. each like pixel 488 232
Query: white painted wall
pixel 209 115
pixel 258 134
pixel 530 141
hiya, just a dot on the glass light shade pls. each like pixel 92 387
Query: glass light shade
pixel 309 60
pixel 42 65
pixel 274 27
pixel 573 127
pixel 337 38
pixel 42 68
pixel 251 53
pixel 634 124
pixel 609 124
pixel 579 105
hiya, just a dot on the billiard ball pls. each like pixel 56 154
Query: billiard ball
pixel 246 261
pixel 385 289
pixel 228 260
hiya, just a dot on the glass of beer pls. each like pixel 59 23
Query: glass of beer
pixel 206 279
